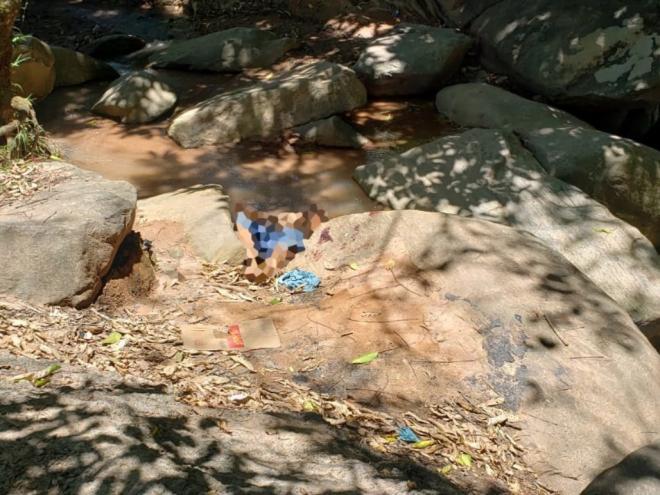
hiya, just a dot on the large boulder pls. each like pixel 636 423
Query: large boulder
pixel 411 60
pixel 59 243
pixel 480 311
pixel 34 73
pixel 204 213
pixel 72 67
pixel 620 173
pixel 604 51
pixel 231 50
pixel 484 105
pixel 332 132
pixel 136 98
pixel 488 174
pixel 310 92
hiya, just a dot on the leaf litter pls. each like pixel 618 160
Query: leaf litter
pixel 450 432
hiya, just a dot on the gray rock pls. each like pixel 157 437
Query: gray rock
pixel 119 435
pixel 205 215
pixel 114 45
pixel 620 173
pixel 413 59
pixel 483 105
pixel 58 244
pixel 483 291
pixel 604 51
pixel 488 174
pixel 231 50
pixel 332 132
pixel 136 98
pixel 72 67
pixel 263 110
pixel 35 75
pixel 462 12
pixel 637 474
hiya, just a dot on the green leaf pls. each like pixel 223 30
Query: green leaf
pixel 111 339
pixel 309 406
pixel 602 230
pixel 354 266
pixel 179 356
pixel 446 469
pixel 422 444
pixel 465 460
pixel 365 358
pixel 40 382
pixel 275 300
pixel 51 370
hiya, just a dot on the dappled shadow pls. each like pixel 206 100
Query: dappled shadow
pixel 620 173
pixel 412 59
pixel 136 98
pixel 637 472
pixel 102 435
pixel 599 60
pixel 488 310
pixel 488 175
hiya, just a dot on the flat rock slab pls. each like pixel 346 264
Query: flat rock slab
pixel 119 436
pixel 484 105
pixel 414 59
pixel 468 307
pixel 307 93
pixel 618 172
pixel 136 98
pixel 488 174
pixel 59 243
pixel 72 68
pixel 604 51
pixel 205 215
pixel 231 50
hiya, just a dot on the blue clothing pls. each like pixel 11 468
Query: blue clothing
pixel 267 235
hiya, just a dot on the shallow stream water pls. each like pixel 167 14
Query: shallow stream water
pixel 267 176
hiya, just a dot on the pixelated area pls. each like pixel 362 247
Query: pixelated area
pixel 272 240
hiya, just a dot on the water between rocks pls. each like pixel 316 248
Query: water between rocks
pixel 268 176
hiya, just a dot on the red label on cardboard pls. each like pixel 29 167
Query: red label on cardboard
pixel 234 339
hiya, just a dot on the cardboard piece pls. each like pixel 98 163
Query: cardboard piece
pixel 244 336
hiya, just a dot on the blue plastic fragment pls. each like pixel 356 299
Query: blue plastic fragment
pixel 296 279
pixel 407 435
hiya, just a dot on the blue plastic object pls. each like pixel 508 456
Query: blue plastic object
pixel 296 279
pixel 407 435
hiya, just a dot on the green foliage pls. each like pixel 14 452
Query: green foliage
pixel 19 38
pixel 29 141
pixel 21 59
